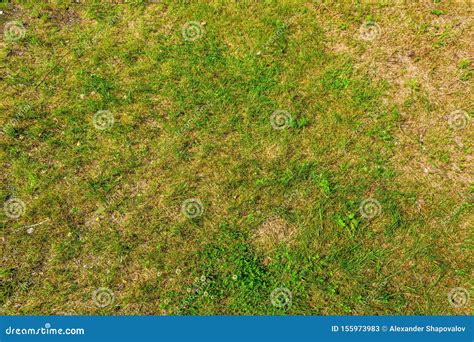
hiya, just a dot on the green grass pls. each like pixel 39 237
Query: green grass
pixel 192 120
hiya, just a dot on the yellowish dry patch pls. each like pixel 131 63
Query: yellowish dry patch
pixel 418 54
pixel 274 231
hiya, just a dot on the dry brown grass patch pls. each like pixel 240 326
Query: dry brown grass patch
pixel 274 231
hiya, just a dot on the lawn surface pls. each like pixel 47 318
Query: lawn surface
pixel 274 157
